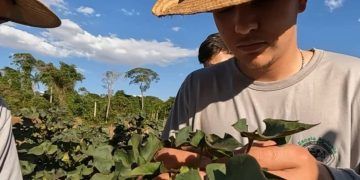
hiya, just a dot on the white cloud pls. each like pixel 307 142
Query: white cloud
pixel 60 5
pixel 98 15
pixel 129 12
pixel 176 29
pixel 55 3
pixel 359 20
pixel 334 4
pixel 18 39
pixel 70 40
pixel 85 10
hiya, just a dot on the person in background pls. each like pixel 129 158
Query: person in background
pixel 213 50
pixel 271 77
pixel 31 13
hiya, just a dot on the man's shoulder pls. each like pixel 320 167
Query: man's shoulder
pixel 342 60
pixel 217 71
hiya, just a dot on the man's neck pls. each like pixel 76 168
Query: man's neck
pixel 280 67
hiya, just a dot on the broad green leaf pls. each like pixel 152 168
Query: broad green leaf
pixel 277 129
pixel 215 171
pixel 152 145
pixel 183 136
pixel 99 176
pixel 192 174
pixel 145 169
pixel 135 142
pixel 27 167
pixel 241 125
pixel 197 138
pixel 51 149
pixel 37 150
pixel 228 143
pixel 87 171
pixel 122 171
pixel 282 128
pixel 121 155
pixel 103 160
pixel 243 167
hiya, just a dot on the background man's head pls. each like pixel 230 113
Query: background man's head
pixel 213 50
pixel 28 12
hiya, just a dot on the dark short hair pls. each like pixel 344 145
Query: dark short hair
pixel 211 46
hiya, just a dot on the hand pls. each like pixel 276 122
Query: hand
pixel 289 161
pixel 175 158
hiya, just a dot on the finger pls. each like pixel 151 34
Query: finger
pixel 175 158
pixel 264 143
pixel 257 144
pixel 281 157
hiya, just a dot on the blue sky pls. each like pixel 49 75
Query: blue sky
pixel 99 35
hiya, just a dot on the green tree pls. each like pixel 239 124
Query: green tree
pixel 61 80
pixel 143 77
pixel 26 63
pixel 110 77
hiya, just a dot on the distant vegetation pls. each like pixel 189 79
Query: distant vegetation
pixel 68 133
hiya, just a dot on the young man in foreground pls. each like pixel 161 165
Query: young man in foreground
pixel 270 77
pixel 32 13
pixel 213 51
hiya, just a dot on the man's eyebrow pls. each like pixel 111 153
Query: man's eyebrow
pixel 14 1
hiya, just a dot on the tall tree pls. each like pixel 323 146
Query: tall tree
pixel 110 77
pixel 62 80
pixel 26 63
pixel 143 77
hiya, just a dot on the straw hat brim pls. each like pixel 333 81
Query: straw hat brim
pixel 184 7
pixel 32 13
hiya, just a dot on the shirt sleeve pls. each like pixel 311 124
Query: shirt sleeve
pixel 180 115
pixel 343 173
pixel 9 160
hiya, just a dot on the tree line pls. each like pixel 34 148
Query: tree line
pixel 19 87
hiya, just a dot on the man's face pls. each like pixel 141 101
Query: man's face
pixel 259 31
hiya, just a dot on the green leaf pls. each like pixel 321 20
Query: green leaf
pixel 184 169
pixel 215 171
pixel 135 142
pixel 197 138
pixel 241 125
pixel 87 171
pixel 228 143
pixel 121 155
pixel 37 150
pixel 27 167
pixel 99 176
pixel 145 169
pixel 192 174
pixel 103 160
pixel 278 129
pixel 182 136
pixel 152 145
pixel 51 149
pixel 244 167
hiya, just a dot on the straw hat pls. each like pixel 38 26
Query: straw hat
pixel 183 7
pixel 32 13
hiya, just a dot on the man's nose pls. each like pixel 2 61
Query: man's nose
pixel 245 20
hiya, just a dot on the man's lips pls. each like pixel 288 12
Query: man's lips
pixel 252 47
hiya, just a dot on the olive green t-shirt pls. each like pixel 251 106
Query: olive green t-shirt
pixel 325 91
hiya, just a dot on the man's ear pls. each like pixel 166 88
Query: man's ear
pixel 302 5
